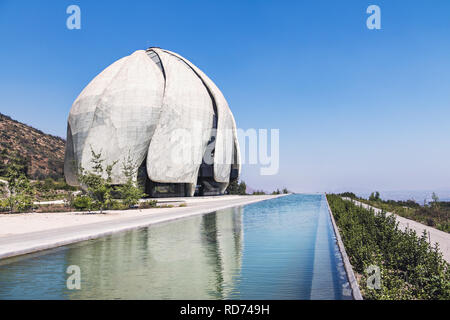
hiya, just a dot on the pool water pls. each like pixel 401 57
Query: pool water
pixel 283 248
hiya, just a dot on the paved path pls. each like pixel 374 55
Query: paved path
pixel 111 222
pixel 441 237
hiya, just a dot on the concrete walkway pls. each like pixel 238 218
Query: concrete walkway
pixel 26 233
pixel 435 235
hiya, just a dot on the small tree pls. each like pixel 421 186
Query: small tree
pixel 98 188
pixel 374 196
pixel 242 189
pixel 237 188
pixel 233 187
pixel 130 192
pixel 21 193
pixel 435 199
pixel 435 204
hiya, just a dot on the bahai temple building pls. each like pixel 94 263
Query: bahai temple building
pixel 163 112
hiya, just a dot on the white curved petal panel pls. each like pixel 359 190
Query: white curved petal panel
pixel 125 114
pixel 81 116
pixel 179 142
pixel 226 138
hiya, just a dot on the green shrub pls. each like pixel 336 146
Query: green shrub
pixel 117 205
pixel 348 195
pixel 236 188
pixel 258 192
pixel 21 193
pixel 23 203
pixel 83 202
pixel 148 204
pixel 4 205
pixel 51 185
pixel 410 267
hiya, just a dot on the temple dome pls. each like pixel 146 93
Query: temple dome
pixel 160 109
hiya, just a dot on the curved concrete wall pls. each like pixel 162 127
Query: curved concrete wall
pixel 226 138
pixel 122 113
pixel 184 128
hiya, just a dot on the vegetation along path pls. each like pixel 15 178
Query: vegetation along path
pixel 389 263
pixel 435 236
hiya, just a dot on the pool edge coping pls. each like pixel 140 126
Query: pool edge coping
pixel 356 293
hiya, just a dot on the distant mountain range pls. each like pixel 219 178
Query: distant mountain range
pixel 43 153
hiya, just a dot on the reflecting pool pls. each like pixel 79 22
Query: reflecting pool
pixel 283 248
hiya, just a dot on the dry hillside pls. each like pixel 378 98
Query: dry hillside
pixel 43 153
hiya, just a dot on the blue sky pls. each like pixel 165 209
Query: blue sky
pixel 357 109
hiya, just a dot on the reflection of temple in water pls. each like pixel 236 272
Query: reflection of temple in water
pixel 193 258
